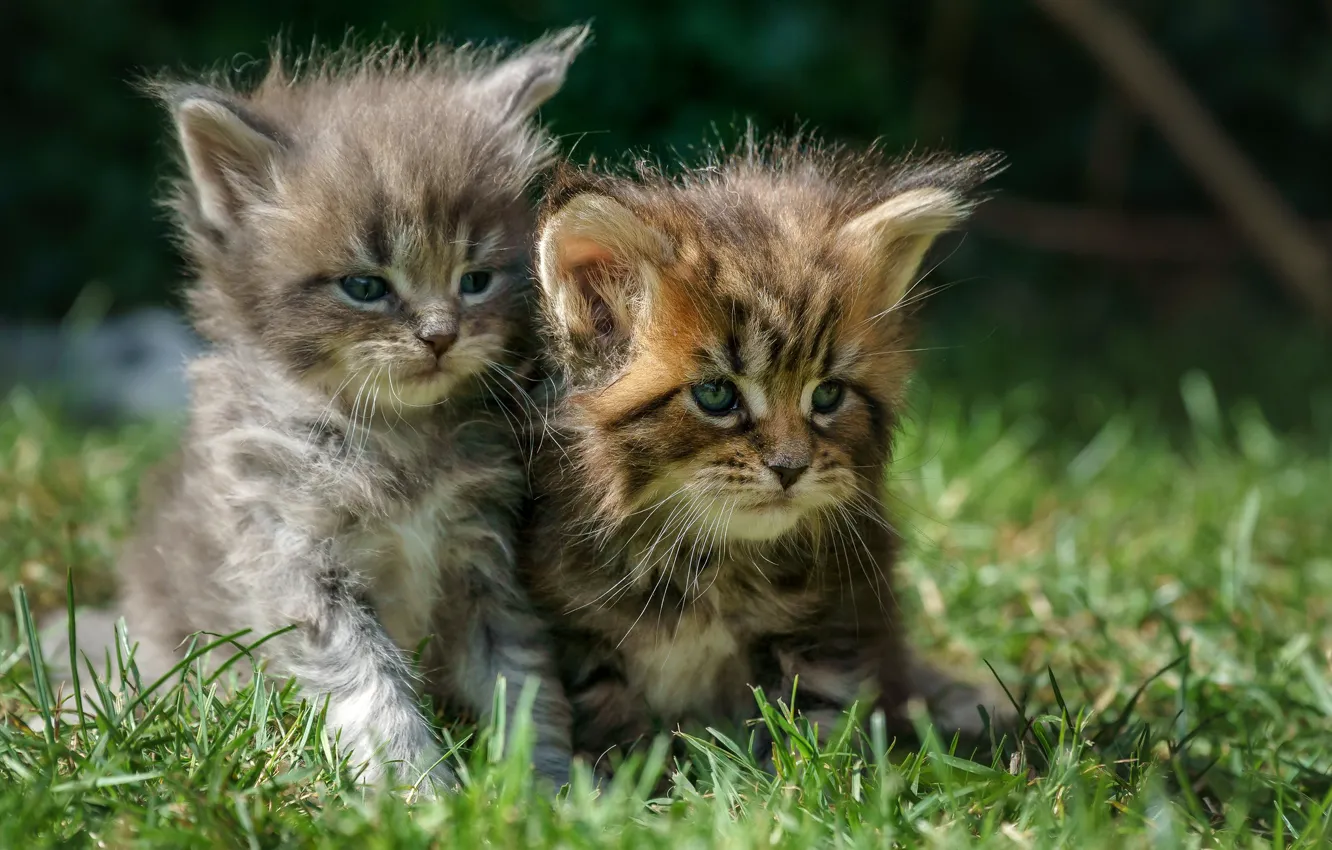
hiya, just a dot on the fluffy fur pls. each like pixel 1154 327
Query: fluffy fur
pixel 350 466
pixel 686 556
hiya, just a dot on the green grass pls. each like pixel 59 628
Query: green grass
pixel 1146 566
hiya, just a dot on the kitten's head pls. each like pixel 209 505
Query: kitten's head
pixel 363 217
pixel 735 340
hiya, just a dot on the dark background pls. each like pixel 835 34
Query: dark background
pixel 82 154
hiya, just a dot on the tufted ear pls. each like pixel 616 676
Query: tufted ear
pixel 598 267
pixel 890 240
pixel 531 77
pixel 228 153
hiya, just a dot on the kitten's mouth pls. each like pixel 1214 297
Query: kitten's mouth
pixel 761 520
pixel 421 387
pixel 784 502
pixel 427 374
pixel 429 370
pixel 762 523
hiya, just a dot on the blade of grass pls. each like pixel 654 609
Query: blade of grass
pixel 74 648
pixel 35 659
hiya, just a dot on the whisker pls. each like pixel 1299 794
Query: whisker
pixel 717 568
pixel 904 301
pixel 644 564
pixel 398 404
pixel 353 420
pixel 648 603
pixel 851 527
pixel 525 405
pixel 326 414
pixel 514 427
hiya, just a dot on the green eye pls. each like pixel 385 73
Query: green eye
pixel 716 397
pixel 361 287
pixel 827 397
pixel 474 283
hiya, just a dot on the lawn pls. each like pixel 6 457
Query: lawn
pixel 1134 531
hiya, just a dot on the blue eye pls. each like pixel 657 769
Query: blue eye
pixel 716 397
pixel 474 283
pixel 361 287
pixel 827 397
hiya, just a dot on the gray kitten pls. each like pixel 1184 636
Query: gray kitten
pixel 361 229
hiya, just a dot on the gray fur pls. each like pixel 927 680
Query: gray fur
pixel 366 539
pixel 337 475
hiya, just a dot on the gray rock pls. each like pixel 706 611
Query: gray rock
pixel 128 368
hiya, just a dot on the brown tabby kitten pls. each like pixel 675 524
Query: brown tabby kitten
pixel 733 347
pixel 360 228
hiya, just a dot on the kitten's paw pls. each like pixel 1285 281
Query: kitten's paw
pixel 601 766
pixel 421 776
pixel 553 764
pixel 438 781
pixel 424 782
pixel 824 723
pixel 955 707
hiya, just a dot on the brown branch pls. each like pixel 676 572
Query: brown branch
pixel 1110 154
pixel 1274 230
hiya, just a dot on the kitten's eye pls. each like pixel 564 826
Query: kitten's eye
pixel 364 287
pixel 716 397
pixel 474 283
pixel 827 397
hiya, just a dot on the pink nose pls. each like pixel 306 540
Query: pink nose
pixel 440 341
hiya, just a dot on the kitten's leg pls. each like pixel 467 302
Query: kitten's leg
pixel 608 715
pixel 954 705
pixel 841 669
pixel 342 653
pixel 773 666
pixel 504 637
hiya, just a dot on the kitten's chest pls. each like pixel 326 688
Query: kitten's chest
pixel 699 659
pixel 699 668
pixel 402 560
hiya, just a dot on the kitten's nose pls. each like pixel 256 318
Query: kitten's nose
pixel 788 475
pixel 440 341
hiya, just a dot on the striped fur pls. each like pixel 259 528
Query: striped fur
pixel 340 474
pixel 686 573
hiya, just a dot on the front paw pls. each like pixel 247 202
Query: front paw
pixel 422 780
pixel 419 771
pixel 433 783
pixel 971 711
pixel 552 763
pixel 823 724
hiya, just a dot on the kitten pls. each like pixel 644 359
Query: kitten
pixel 361 233
pixel 733 347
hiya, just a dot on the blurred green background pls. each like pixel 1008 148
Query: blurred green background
pixel 83 154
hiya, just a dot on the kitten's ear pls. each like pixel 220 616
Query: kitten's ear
pixel 597 263
pixel 228 153
pixel 891 239
pixel 533 76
